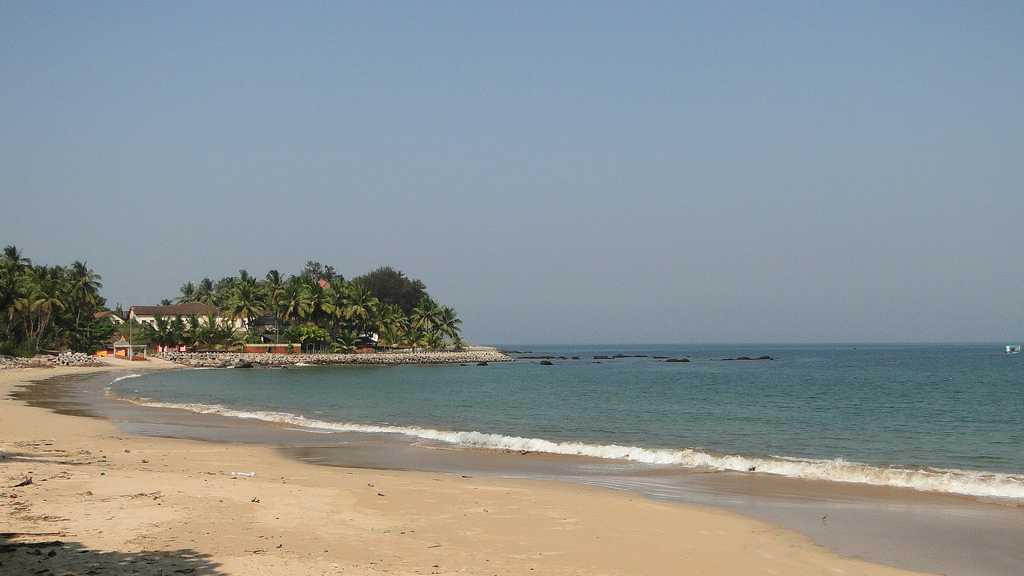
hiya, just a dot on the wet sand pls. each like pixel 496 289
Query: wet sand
pixel 944 534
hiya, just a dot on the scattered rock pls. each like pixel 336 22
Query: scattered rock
pixel 546 363
pixel 75 359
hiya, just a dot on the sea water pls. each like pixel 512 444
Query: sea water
pixel 944 418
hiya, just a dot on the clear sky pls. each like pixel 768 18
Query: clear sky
pixel 559 172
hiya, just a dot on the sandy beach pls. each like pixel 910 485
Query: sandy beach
pixel 101 502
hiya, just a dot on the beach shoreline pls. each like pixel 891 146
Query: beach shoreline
pixel 108 493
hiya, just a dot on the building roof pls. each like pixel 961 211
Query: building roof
pixel 186 309
pixel 106 314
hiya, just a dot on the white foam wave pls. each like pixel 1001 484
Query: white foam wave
pixel 125 377
pixel 966 482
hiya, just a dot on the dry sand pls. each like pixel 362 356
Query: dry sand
pixel 131 505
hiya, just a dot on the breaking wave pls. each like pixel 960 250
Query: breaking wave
pixel 953 481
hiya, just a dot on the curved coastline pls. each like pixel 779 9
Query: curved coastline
pixel 196 491
pixel 948 481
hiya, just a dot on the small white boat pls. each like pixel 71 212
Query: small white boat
pixel 1013 348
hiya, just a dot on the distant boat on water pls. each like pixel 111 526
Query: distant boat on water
pixel 1013 348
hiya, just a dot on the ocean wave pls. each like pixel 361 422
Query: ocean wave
pixel 125 377
pixel 953 481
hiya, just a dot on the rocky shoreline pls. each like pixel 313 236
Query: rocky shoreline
pixel 62 359
pixel 476 355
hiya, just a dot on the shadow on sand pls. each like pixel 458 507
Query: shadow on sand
pixel 60 557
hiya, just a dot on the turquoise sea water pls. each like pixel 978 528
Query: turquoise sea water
pixel 933 417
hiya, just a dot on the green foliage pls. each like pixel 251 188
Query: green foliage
pixel 48 307
pixel 382 302
pixel 309 333
pixel 393 287
pixel 344 342
pixel 23 349
pixel 54 308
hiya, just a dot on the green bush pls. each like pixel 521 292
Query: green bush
pixel 23 349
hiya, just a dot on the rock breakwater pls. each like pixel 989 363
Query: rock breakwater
pixel 62 359
pixel 473 355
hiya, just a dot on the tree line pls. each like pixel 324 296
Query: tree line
pixel 316 307
pixel 46 308
pixel 51 308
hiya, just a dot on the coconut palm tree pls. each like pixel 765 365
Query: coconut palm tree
pixel 192 332
pixel 296 304
pixel 85 287
pixel 360 307
pixel 16 258
pixel 204 291
pixel 426 318
pixel 159 332
pixel 336 301
pixel 187 292
pixel 317 298
pixel 245 278
pixel 246 302
pixel 45 300
pixel 274 288
pixel 450 325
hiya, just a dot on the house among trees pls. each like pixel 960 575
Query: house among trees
pixel 148 314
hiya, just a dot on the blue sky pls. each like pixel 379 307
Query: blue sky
pixel 559 172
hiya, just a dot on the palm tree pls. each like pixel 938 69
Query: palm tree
pixel 85 290
pixel 188 292
pixel 15 257
pixel 296 304
pixel 44 301
pixel 275 292
pixel 246 302
pixel 450 325
pixel 204 291
pixel 336 302
pixel 22 312
pixel 245 278
pixel 360 308
pixel 192 331
pixel 426 318
pixel 223 291
pixel 392 324
pixel 160 332
pixel 345 341
pixel 317 298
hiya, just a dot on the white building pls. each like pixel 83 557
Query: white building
pixel 148 314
